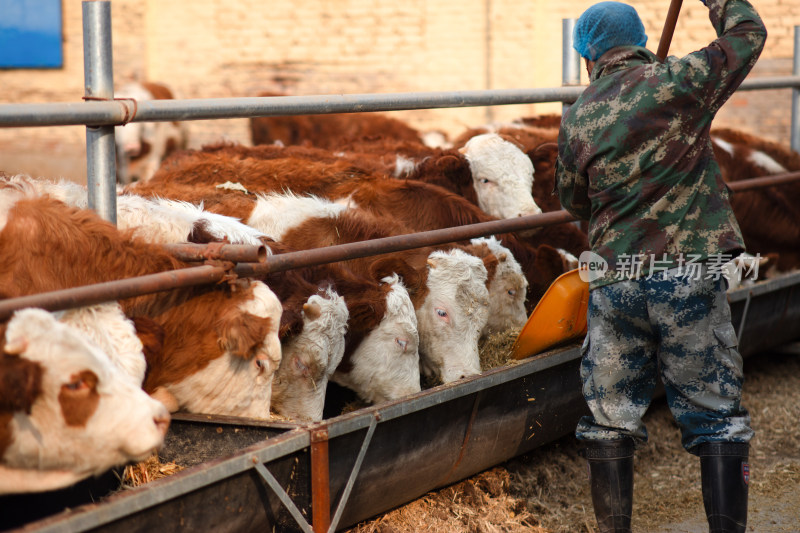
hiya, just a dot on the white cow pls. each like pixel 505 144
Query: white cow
pixel 502 175
pixel 310 358
pixel 385 365
pixel 453 315
pixel 66 412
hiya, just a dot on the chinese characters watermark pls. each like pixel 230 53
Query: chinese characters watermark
pixel 631 266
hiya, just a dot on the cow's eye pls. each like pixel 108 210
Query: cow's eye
pixel 78 384
pixel 441 312
pixel 402 343
pixel 484 180
pixel 511 292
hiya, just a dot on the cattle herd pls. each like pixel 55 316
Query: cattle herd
pixel 91 388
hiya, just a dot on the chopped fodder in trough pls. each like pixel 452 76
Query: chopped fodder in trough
pixel 148 470
pixel 495 349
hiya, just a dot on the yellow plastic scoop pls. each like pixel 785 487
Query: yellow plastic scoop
pixel 558 317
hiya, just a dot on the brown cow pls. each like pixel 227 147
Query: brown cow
pixel 328 130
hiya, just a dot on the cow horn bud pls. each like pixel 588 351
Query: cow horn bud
pixel 312 310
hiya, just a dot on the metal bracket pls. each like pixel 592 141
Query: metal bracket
pixel 744 317
pixel 354 474
pixel 283 496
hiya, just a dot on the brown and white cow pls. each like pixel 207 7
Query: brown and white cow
pixel 66 412
pixel 220 343
pixel 156 220
pixel 417 205
pixel 141 146
pixel 488 170
pixel 769 217
pixel 310 357
pixel 448 329
pixel 381 353
pixel 507 287
pixel 448 289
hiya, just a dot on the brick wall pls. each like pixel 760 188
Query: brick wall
pixel 212 48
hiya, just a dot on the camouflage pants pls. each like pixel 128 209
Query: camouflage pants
pixel 675 326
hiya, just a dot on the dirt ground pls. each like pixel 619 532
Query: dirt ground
pixel 546 490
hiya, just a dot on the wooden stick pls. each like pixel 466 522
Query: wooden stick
pixel 669 28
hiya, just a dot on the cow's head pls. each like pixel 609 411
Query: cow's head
pixel 385 365
pixel 453 315
pixel 75 414
pixel 310 358
pixel 502 175
pixel 508 288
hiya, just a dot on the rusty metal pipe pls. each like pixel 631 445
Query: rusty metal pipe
pixel 669 28
pixel 113 290
pixel 764 181
pixel 354 250
pixel 320 481
pixel 237 253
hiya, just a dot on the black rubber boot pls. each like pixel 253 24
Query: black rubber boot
pixel 725 474
pixel 611 478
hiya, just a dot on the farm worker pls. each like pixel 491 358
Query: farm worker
pixel 635 160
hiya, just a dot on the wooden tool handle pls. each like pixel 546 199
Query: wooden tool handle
pixel 669 28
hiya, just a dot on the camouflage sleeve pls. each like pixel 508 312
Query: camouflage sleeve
pixel 573 188
pixel 717 70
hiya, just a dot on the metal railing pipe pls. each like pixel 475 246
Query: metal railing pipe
pixel 114 290
pixel 764 181
pixel 795 134
pixel 570 59
pixel 121 111
pixel 99 84
pixel 116 112
pixel 355 250
pixel 238 253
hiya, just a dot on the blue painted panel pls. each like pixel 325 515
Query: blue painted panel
pixel 30 34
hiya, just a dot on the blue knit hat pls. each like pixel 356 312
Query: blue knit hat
pixel 606 25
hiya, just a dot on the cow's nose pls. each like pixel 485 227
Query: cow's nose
pixel 162 422
pixel 132 150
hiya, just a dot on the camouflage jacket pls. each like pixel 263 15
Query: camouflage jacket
pixel 635 156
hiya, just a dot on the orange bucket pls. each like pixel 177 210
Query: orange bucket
pixel 558 317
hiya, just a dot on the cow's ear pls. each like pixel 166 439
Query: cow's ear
pixel 20 383
pixel 543 155
pixel 388 266
pixel 455 168
pixel 291 323
pixel 151 334
pixel 491 263
pixel 549 263
pixel 242 334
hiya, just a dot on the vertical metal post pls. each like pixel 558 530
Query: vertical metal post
pixel 99 83
pixel 489 57
pixel 570 60
pixel 795 138
pixel 570 65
